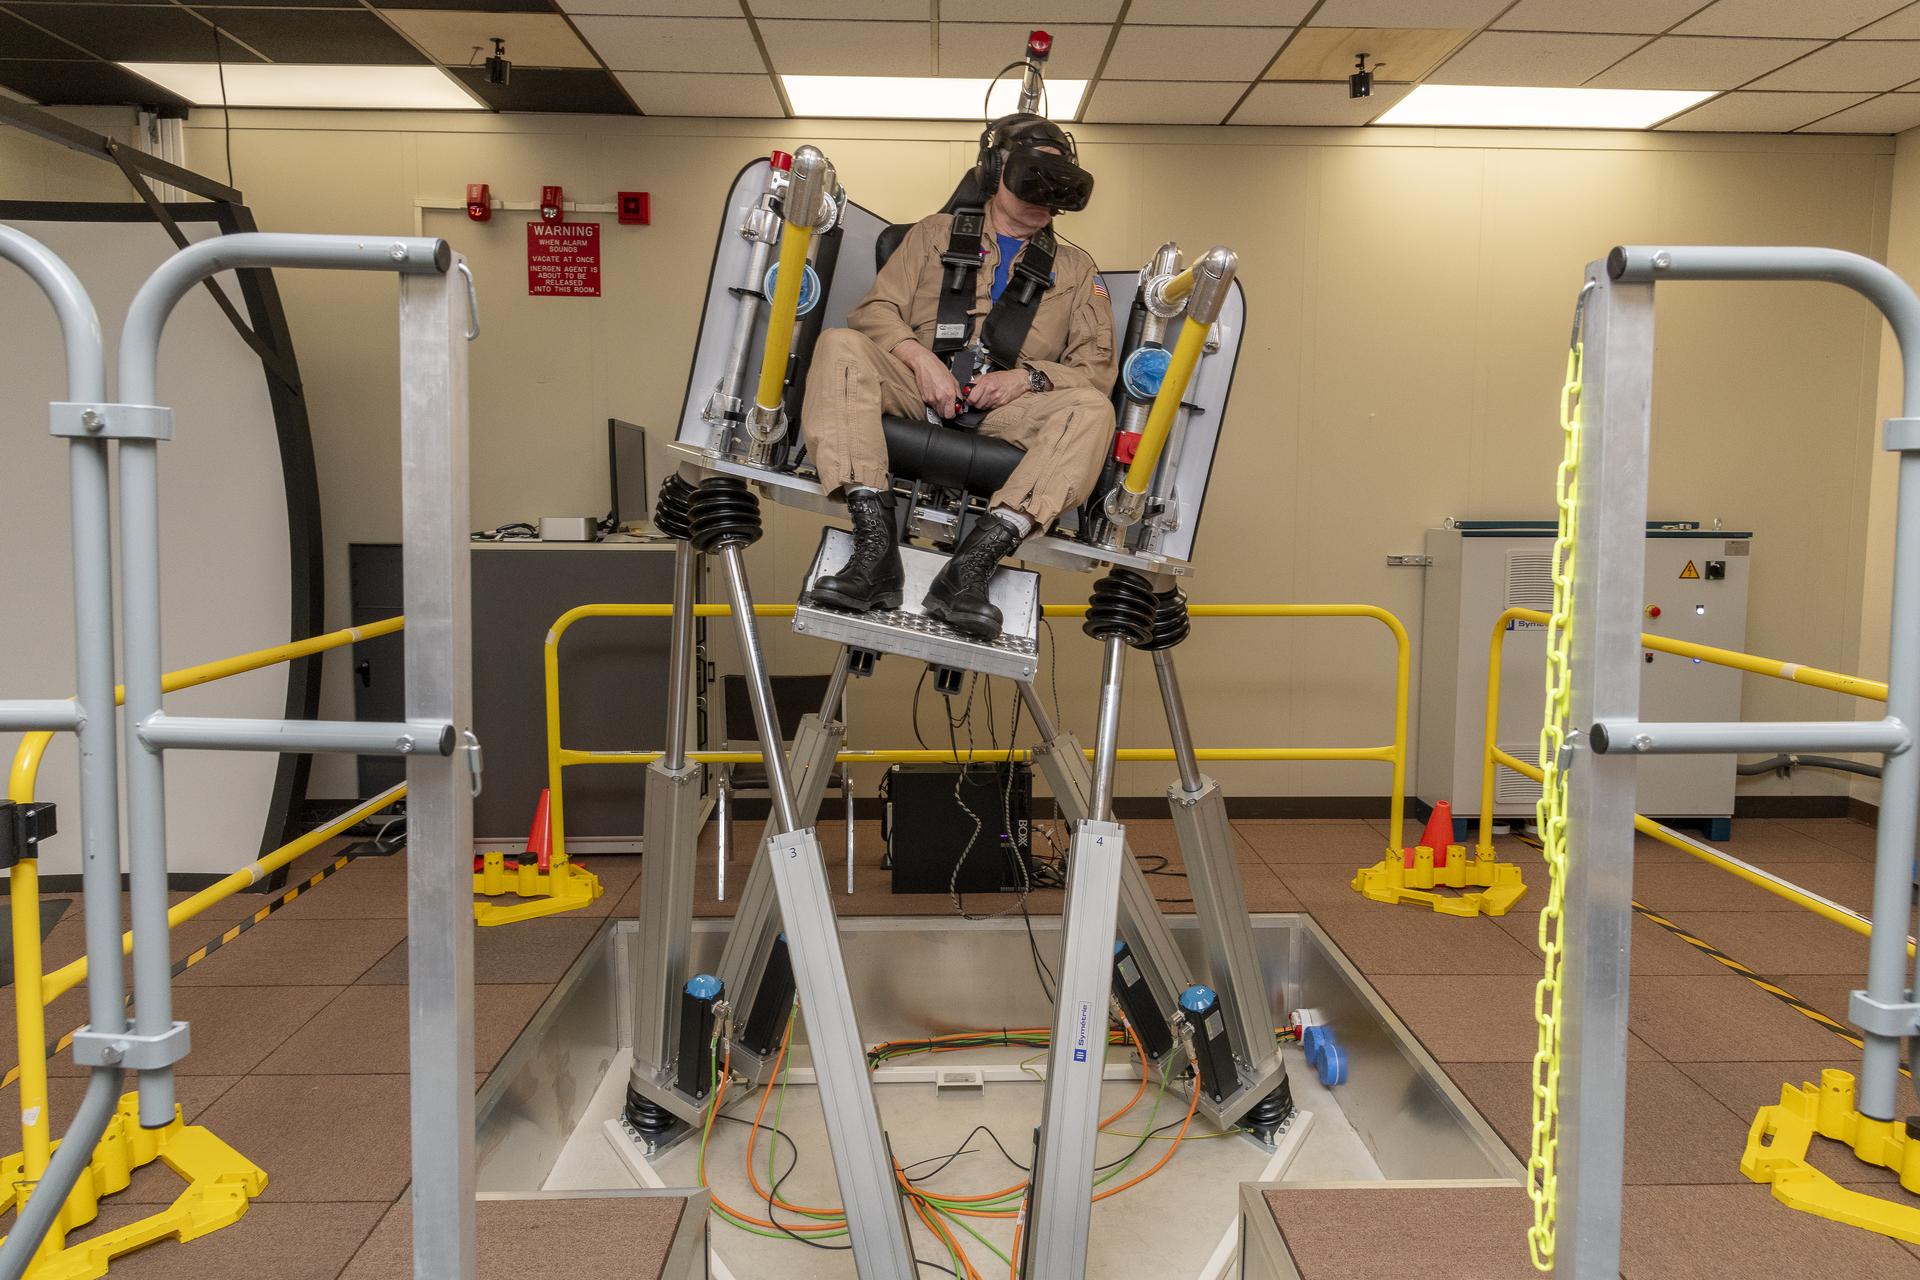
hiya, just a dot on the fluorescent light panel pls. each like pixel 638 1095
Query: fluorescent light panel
pixel 921 97
pixel 281 84
pixel 1500 106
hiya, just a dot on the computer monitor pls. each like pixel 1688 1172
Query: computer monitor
pixel 627 469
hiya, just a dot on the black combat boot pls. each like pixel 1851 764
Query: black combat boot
pixel 872 577
pixel 958 597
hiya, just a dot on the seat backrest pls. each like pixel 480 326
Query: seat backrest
pixel 793 697
pixel 968 193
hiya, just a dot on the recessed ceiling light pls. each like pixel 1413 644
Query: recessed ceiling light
pixel 1500 106
pixel 921 97
pixel 280 84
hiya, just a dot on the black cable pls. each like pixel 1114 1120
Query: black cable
pixel 226 117
pixel 962 1150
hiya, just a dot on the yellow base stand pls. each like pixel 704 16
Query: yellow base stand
pixel 1391 880
pixel 221 1183
pixel 563 887
pixel 1777 1148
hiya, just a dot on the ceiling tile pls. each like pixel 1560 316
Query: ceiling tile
pixel 1641 17
pixel 549 89
pixel 1904 25
pixel 1041 12
pixel 1329 53
pixel 328 37
pixel 1160 102
pixel 1408 13
pixel 78 84
pixel 488 6
pixel 1550 59
pixel 1261 13
pixel 533 39
pixel 827 48
pixel 21 40
pixel 1192 53
pixel 672 44
pixel 672 93
pixel 1700 62
pixel 1850 66
pixel 891 10
pixel 982 48
pixel 1314 104
pixel 137 33
pixel 1802 18
pixel 1748 112
pixel 655 8
pixel 1893 113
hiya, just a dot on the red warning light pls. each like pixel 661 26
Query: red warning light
pixel 1039 45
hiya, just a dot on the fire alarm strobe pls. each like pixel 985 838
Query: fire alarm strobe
pixel 552 205
pixel 479 202
pixel 636 208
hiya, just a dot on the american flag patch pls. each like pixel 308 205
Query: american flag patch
pixel 1100 288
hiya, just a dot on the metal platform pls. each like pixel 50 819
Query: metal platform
pixel 909 632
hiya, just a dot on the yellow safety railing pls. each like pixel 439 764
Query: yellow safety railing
pixel 560 758
pixel 1493 757
pixel 33 990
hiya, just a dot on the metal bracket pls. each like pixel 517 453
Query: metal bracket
pixel 1898 1020
pixel 22 828
pixel 473 310
pixel 1409 562
pixel 110 421
pixel 125 1049
pixel 1903 435
pixel 475 764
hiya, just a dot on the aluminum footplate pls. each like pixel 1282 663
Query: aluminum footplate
pixel 909 632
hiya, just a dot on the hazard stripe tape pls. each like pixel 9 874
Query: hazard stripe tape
pixel 1767 985
pixel 194 957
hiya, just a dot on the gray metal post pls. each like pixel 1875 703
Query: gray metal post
pixel 99 788
pixel 435 521
pixel 1059 1209
pixel 1886 1011
pixel 862 1163
pixel 670 850
pixel 1220 902
pixel 1609 564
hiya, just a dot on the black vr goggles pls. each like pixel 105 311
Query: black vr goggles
pixel 1011 154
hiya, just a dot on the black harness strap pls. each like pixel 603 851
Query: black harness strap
pixel 1005 330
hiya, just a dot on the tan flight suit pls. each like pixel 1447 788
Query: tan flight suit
pixel 1066 432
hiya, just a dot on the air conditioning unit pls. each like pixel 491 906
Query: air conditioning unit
pixel 1696 590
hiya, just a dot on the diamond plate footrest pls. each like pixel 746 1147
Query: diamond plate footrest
pixel 909 632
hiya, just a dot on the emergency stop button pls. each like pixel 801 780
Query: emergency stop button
pixel 1653 611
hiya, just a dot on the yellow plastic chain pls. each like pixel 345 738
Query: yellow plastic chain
pixel 1552 817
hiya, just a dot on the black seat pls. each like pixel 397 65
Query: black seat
pixel 950 457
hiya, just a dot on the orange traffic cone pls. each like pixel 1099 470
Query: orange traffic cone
pixel 540 839
pixel 1437 836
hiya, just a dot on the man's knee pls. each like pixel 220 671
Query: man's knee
pixel 1085 400
pixel 843 346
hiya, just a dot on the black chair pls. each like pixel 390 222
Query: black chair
pixel 793 697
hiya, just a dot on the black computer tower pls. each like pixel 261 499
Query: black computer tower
pixel 929 826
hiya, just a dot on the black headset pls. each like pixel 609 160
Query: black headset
pixel 1022 128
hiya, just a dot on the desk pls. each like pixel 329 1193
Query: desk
pixel 614 676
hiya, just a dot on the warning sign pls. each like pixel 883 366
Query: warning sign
pixel 1686 574
pixel 563 259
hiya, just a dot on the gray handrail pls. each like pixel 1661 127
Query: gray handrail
pixel 1892 296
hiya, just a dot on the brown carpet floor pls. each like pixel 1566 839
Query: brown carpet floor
pixel 300 1058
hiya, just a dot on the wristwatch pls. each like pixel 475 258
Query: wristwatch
pixel 1038 381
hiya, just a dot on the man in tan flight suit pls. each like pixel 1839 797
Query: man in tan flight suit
pixel 1054 403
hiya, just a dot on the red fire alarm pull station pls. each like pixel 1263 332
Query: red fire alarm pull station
pixel 636 208
pixel 552 205
pixel 479 202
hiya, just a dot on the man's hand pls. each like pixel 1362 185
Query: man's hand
pixel 935 380
pixel 992 390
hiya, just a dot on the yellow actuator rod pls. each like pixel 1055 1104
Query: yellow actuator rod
pixel 1206 281
pixel 809 190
